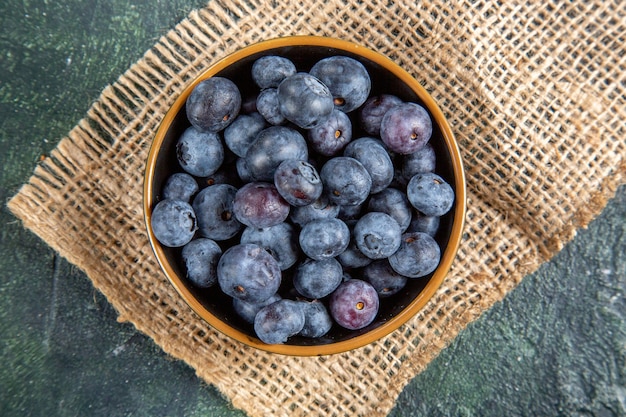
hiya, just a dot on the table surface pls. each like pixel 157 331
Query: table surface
pixel 554 346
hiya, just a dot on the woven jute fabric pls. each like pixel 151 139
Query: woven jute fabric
pixel 534 92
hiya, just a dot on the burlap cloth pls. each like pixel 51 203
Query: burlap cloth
pixel 534 92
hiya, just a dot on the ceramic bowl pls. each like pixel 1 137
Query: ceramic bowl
pixel 387 77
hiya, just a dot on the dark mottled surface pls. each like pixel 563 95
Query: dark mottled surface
pixel 553 347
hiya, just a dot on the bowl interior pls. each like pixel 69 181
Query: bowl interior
pixel 216 308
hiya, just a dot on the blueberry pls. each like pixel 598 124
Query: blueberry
pixel 426 224
pixel 180 186
pixel 406 128
pixel 173 222
pixel 248 105
pixel 273 146
pixel 242 170
pixel 354 304
pixel 371 153
pixel 199 153
pixel 298 182
pixel 398 179
pixel 268 105
pixel 345 180
pixel 373 110
pixel 213 104
pixel 201 256
pixel 247 272
pixel 224 175
pixel 324 238
pixel 242 132
pixel 281 241
pixel 247 310
pixel 383 278
pixel 317 320
pixel 430 194
pixel 304 100
pixel 275 323
pixel 346 78
pixel 350 214
pixel 317 279
pixel 322 208
pixel 258 204
pixel 352 257
pixel 377 235
pixel 394 203
pixel 329 137
pixel 214 208
pixel 421 161
pixel 268 71
pixel 418 255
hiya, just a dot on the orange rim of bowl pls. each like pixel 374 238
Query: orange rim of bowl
pixel 448 254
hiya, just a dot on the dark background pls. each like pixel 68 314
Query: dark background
pixel 556 346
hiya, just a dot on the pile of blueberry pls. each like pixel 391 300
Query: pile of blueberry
pixel 278 206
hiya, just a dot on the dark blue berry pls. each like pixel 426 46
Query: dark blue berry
pixel 298 182
pixel 349 214
pixel 242 132
pixel 332 135
pixel 346 78
pixel 214 209
pixel 268 71
pixel 394 203
pixel 418 255
pixel 275 323
pixel 373 110
pixel 371 153
pixel 173 222
pixel 430 194
pixel 406 128
pixel 377 235
pixel 180 186
pixel 316 279
pixel 281 241
pixel 268 106
pixel 346 181
pixel 247 310
pixel 224 175
pixel 426 224
pixel 324 238
pixel 246 271
pixel 322 208
pixel 248 104
pixel 317 320
pixel 304 100
pixel 352 257
pixel 273 146
pixel 201 256
pixel 421 161
pixel 213 104
pixel 242 170
pixel 199 153
pixel 383 278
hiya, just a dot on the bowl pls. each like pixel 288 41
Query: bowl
pixel 387 77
